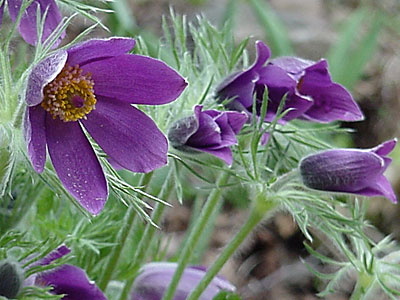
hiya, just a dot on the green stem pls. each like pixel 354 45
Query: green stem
pixel 195 235
pixel 254 218
pixel 363 283
pixel 147 238
pixel 121 239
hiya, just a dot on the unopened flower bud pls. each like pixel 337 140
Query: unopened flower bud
pixel 11 279
pixel 352 171
pixel 209 131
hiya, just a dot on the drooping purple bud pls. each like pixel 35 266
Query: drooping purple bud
pixel 352 171
pixel 208 131
pixel 154 279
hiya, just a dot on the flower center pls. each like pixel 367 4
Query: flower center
pixel 70 96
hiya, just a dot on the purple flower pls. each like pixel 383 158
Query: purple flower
pixel 27 25
pixel 208 131
pixel 311 93
pixel 353 171
pixel 93 85
pixel 154 279
pixel 66 279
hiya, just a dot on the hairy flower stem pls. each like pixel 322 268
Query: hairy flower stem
pixel 142 250
pixel 121 239
pixel 195 235
pixel 363 283
pixel 258 213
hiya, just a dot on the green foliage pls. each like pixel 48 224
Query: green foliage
pixel 275 31
pixel 355 46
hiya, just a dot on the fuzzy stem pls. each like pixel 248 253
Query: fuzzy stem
pixel 363 283
pixel 121 239
pixel 195 235
pixel 147 238
pixel 257 214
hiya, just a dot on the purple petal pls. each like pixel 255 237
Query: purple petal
pixel 2 11
pixel 380 187
pixel 332 104
pixel 35 136
pixel 316 77
pixel 98 49
pixel 155 278
pixel 127 135
pixel 342 170
pixel 76 164
pixel 296 104
pixel 385 148
pixel 292 65
pixel 263 53
pixel 135 79
pixel 71 281
pixel 27 25
pixel 274 76
pixel 224 153
pixel 241 85
pixel 236 120
pixel 228 136
pixel 53 255
pixel 42 74
pixel 240 88
pixel 208 133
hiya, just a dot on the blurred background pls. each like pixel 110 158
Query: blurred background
pixel 361 41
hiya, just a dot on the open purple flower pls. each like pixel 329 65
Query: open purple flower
pixel 66 279
pixel 93 85
pixel 311 93
pixel 208 131
pixel 27 25
pixel 353 171
pixel 154 279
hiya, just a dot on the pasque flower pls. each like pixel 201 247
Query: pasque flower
pixel 208 131
pixel 154 279
pixel 27 25
pixel 311 93
pixel 66 279
pixel 93 85
pixel 353 171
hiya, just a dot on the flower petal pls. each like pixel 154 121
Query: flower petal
pixel 381 187
pixel 208 134
pixel 240 85
pixel 27 25
pixel 76 164
pixel 239 88
pixel 53 255
pixel 42 74
pixel 127 135
pixel 332 104
pixel 385 148
pixel 274 76
pixel 224 153
pixel 98 49
pixel 292 65
pixel 341 170
pixel 135 79
pixel 236 120
pixel 35 136
pixel 154 279
pixel 263 53
pixel 1 12
pixel 71 281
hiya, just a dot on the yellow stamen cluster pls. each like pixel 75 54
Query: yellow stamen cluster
pixel 70 96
